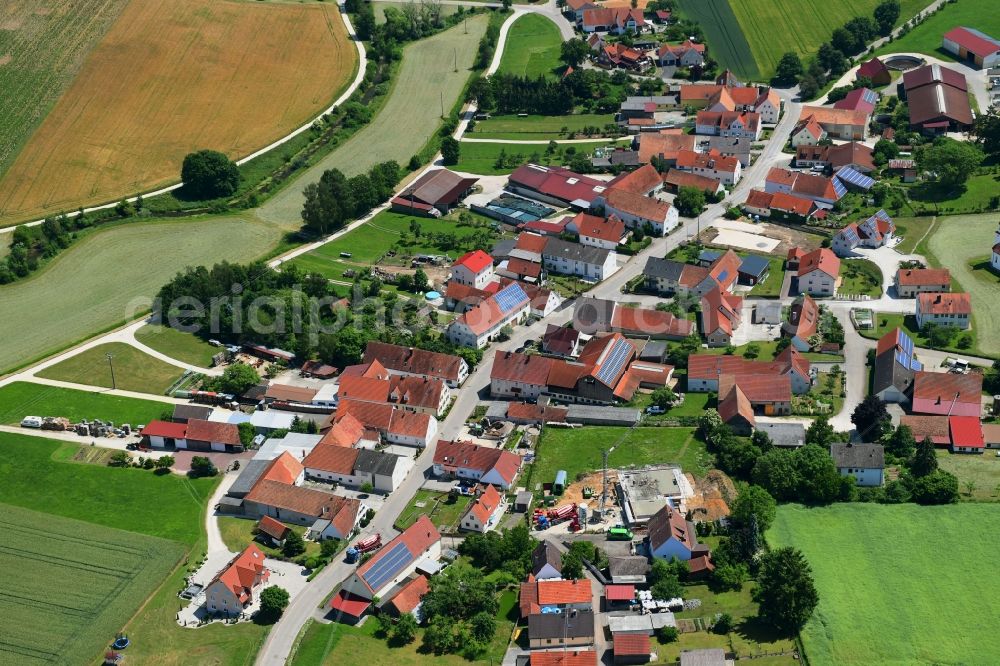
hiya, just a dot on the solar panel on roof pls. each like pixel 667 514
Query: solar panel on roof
pixel 388 566
pixel 838 187
pixel 510 297
pixel 849 175
pixel 613 364
pixel 870 96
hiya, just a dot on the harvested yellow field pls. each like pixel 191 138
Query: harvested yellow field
pixel 170 78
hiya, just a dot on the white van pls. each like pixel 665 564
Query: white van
pixel 31 422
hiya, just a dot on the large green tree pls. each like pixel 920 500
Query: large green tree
pixel 273 602
pixel 208 174
pixel 788 70
pixel 953 161
pixel 886 14
pixel 938 487
pixel 901 442
pixel 754 501
pixel 987 130
pixel 785 590
pixel 924 458
pixel 690 201
pixel 573 52
pixel 871 418
pixel 238 378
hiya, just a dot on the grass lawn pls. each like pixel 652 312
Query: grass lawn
pixel 974 196
pixel 384 232
pixel 482 158
pixel 768 350
pixel 912 230
pixel 111 276
pixel 238 533
pixel 39 473
pixel 909 325
pixel 982 470
pixel 334 644
pixel 427 81
pixel 694 404
pixel 539 127
pixel 578 450
pixel 777 26
pixel 961 251
pixel 771 286
pixel 184 347
pixel 860 276
pixel 926 37
pixel 532 48
pixel 76 585
pixel 134 370
pixel 897 580
pixel 748 638
pixel 20 399
pixel 436 506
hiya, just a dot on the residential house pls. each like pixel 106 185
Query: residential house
pixel 743 396
pixel 602 376
pixel 616 20
pixel 875 71
pixel 803 322
pixel 666 276
pixel 820 189
pixel 587 262
pixel 944 309
pixel 565 629
pixel 625 57
pixel 561 340
pixel 859 99
pixel 484 512
pixel 555 185
pixel 876 231
pixel 726 170
pixel 473 269
pixel 195 435
pixel 938 100
pixel 522 270
pixel 895 367
pixel 233 588
pixel 663 147
pixel 819 273
pixel 530 246
pixel 573 9
pixel 519 376
pixel 555 595
pixel 688 54
pixel 388 567
pixel 720 316
pixel 356 467
pixel 704 370
pixel 843 124
pixel 594 315
pixel 728 146
pixel 546 561
pixel 807 132
pixel 852 154
pixel 738 124
pixel 913 281
pixel 763 203
pixel 392 424
pixel 973 47
pixel 461 298
pixel 670 535
pixel 564 657
pixel 543 301
pixel 415 394
pixel 645 180
pixel 483 323
pixel 599 232
pixel 865 462
pixel 485 464
pixel 274 531
pixel 433 194
pixel 947 393
pixel 414 362
pixel 675 179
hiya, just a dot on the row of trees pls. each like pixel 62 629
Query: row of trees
pixel 337 199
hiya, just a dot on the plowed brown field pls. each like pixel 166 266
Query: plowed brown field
pixel 173 77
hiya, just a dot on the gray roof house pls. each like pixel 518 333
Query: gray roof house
pixel 704 657
pixel 865 462
pixel 628 569
pixel 546 561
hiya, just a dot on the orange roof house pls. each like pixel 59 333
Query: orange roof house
pixel 232 588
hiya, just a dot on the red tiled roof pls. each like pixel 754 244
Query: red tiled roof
pixel 664 146
pixel 872 68
pixel 464 293
pixel 286 393
pixel 822 259
pixel 681 179
pixel 635 204
pixel 935 427
pixel 566 374
pixel 476 261
pixel 966 431
pixel 341 511
pixel 418 537
pixel 702 563
pixel 789 203
pixel 283 469
pixel 167 429
pixel 557 182
pixel 719 309
pixel 469 455
pixel 803 317
pixel 764 388
pixel 641 181
pixel 366 389
pixel 331 458
pixel 619 592
pixel 631 645
pixel 610 230
pixel 523 267
pixel 345 432
pixel 409 597
pixel 563 658
pixel 538 593
pixel 523 411
pixel 916 277
pixel 243 572
pixel 414 361
pixel 273 528
pixel 549 227
pixel 937 303
pixel 349 604
pixel 758 199
pixel 484 505
pixel 691 92
pixel 512 366
pixel 733 401
pixel 688 159
pixel 645 321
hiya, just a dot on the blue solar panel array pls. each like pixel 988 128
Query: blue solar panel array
pixel 838 187
pixel 851 235
pixel 855 178
pixel 388 566
pixel 904 352
pixel 613 364
pixel 870 96
pixel 510 297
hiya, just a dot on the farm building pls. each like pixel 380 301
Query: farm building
pixel 555 185
pixel 944 309
pixel 410 361
pixel 875 71
pixel 913 281
pixel 947 393
pixel 938 100
pixel 974 47
pixel 433 194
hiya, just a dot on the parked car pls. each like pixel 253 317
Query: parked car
pixel 655 409
pixel 31 422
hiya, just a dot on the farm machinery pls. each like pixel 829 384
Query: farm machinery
pixel 366 545
pixel 546 519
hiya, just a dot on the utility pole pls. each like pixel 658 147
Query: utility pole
pixel 604 481
pixel 111 363
pixel 456 59
pixel 442 104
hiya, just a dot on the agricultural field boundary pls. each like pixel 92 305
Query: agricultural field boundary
pixel 344 96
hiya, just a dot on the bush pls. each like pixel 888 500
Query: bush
pixel 208 174
pixel 273 602
pixel 667 634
